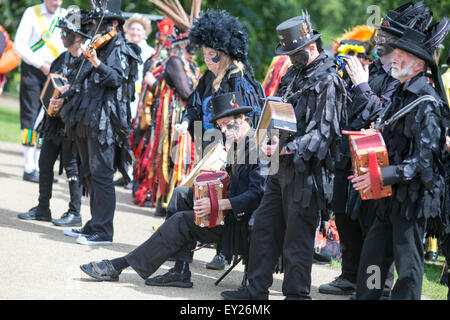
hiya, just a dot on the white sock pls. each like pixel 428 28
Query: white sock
pixel 37 153
pixel 28 153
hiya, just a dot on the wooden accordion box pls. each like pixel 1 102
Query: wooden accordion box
pixel 52 89
pixel 368 150
pixel 212 185
pixel 278 115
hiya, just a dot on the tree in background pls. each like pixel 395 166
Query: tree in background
pixel 259 18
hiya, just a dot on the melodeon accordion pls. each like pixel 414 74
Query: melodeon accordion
pixel 52 89
pixel 368 150
pixel 212 185
pixel 278 115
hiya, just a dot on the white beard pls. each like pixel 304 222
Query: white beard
pixel 403 73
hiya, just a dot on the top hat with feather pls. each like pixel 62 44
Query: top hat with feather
pixel 228 104
pixel 295 34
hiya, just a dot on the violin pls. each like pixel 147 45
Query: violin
pixel 100 42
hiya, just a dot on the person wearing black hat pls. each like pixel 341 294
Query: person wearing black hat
pixel 176 235
pixel 295 198
pixel 415 142
pixel 55 141
pixel 224 43
pixel 372 91
pixel 97 116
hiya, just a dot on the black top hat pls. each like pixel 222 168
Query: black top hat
pixel 295 34
pixel 228 104
pixel 412 41
pixel 76 22
pixel 109 9
pixel 410 15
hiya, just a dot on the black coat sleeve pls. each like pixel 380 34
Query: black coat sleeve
pixel 247 202
pixel 367 105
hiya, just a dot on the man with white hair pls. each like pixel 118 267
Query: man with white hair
pixel 415 143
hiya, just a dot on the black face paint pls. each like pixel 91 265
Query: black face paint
pixel 216 58
pixel 382 40
pixel 384 50
pixel 300 59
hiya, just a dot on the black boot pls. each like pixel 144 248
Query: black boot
pixel 68 219
pixel 72 218
pixel 36 213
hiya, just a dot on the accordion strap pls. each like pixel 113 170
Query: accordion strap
pixel 374 174
pixel 214 205
pixel 402 112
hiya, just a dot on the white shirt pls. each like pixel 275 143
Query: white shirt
pixel 146 52
pixel 29 32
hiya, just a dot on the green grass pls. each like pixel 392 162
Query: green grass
pixel 9 125
pixel 431 287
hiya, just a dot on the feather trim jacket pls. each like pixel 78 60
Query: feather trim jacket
pixel 415 144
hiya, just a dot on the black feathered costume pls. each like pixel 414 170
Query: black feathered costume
pixel 98 118
pixel 353 215
pixel 56 143
pixel 415 144
pixel 289 213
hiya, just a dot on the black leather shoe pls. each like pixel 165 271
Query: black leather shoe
pixel 102 270
pixel 171 279
pixel 32 176
pixel 36 213
pixel 241 294
pixel 68 219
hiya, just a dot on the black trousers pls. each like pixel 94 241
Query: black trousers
pixel 182 200
pixel 172 238
pixel 352 228
pixel 97 167
pixel 282 226
pixel 49 154
pixel 397 240
pixel 32 81
pixel 352 235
